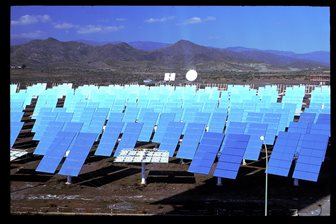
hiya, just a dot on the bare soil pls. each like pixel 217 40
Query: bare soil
pixel 114 188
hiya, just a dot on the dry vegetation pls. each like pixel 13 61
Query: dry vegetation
pixel 104 77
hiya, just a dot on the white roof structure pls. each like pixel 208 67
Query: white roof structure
pixel 172 76
pixel 166 77
pixel 169 77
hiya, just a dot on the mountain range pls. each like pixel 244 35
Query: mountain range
pixel 141 45
pixel 51 53
pixel 316 56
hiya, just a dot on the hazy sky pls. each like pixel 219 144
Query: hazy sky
pixel 291 28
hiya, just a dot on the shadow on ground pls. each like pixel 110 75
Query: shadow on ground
pixel 168 176
pixel 246 195
pixel 104 176
pixel 29 175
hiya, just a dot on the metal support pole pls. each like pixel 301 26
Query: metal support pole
pixel 266 184
pixel 219 181
pixel 182 161
pixel 262 138
pixel 69 180
pixel 244 162
pixel 296 182
pixel 143 177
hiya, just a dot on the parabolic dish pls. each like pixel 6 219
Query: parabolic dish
pixel 191 75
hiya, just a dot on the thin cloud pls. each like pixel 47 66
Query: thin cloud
pixel 64 26
pixel 214 37
pixel 87 29
pixel 121 19
pixel 105 20
pixel 193 20
pixel 196 20
pixel 112 28
pixel 210 18
pixel 31 19
pixel 98 29
pixel 159 20
pixel 30 35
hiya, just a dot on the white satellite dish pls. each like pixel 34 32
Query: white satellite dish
pixel 191 75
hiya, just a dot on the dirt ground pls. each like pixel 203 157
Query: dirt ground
pixel 108 188
pixel 114 188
